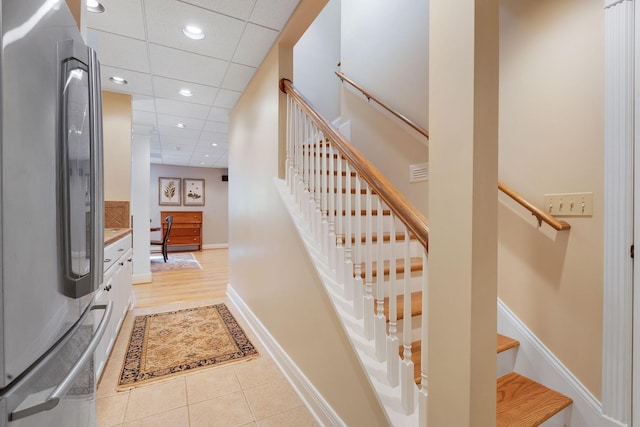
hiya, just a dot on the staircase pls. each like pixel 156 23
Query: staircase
pixel 370 246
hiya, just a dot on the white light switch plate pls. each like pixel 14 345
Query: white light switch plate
pixel 569 204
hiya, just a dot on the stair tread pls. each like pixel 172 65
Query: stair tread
pixel 416 298
pixel 522 402
pixel 363 212
pixel 414 266
pixel 505 343
pixel 386 237
pixel 416 305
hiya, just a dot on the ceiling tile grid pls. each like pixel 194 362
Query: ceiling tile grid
pixel 142 41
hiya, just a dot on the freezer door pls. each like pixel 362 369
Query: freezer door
pixel 60 390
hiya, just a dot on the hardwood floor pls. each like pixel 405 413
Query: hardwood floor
pixel 187 285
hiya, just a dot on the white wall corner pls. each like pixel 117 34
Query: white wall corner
pixel 141 278
pixel 317 405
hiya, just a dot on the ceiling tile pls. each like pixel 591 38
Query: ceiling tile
pixel 273 13
pixel 240 9
pixel 171 121
pixel 168 88
pixel 167 18
pixel 254 45
pixel 237 77
pixel 219 115
pixel 120 16
pixel 141 129
pixel 190 67
pixel 174 132
pixel 227 98
pixel 218 127
pixel 139 83
pixel 211 137
pixel 184 109
pixel 143 103
pixel 144 118
pixel 119 51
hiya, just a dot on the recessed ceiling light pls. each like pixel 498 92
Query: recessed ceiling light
pixel 202 163
pixel 118 80
pixel 193 32
pixel 181 125
pixel 94 6
pixel 214 145
pixel 185 92
pixel 206 155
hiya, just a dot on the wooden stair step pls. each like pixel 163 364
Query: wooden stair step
pixel 416 348
pixel 386 237
pixel 522 402
pixel 416 305
pixel 344 173
pixel 414 266
pixel 363 212
pixel 505 343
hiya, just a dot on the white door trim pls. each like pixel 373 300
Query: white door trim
pixel 618 210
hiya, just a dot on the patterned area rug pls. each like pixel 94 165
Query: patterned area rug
pixel 177 342
pixel 183 261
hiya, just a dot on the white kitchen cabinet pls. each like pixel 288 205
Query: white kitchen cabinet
pixel 116 287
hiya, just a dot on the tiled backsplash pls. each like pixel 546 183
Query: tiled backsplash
pixel 116 215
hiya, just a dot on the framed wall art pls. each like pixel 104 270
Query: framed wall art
pixel 193 192
pixel 169 191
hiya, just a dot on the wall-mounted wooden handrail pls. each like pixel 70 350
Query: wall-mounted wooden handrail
pixel 397 203
pixel 535 211
pixel 378 101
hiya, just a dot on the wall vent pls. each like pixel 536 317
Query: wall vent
pixel 419 172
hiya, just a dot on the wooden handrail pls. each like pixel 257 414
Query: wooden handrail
pixel 535 211
pixel 378 101
pixel 397 203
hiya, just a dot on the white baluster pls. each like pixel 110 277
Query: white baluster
pixel 325 194
pixel 424 334
pixel 309 165
pixel 348 248
pixel 368 254
pixel 358 286
pixel 333 193
pixel 339 222
pixel 380 320
pixel 318 194
pixel 393 343
pixel 407 383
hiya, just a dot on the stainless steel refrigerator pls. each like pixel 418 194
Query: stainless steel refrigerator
pixel 51 217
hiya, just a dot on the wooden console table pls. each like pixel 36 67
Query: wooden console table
pixel 186 229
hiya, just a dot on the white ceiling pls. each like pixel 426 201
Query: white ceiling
pixel 142 42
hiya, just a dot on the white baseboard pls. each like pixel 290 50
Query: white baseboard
pixel 216 246
pixel 321 410
pixel 537 362
pixel 141 278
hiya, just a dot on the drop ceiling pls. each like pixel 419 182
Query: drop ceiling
pixel 142 41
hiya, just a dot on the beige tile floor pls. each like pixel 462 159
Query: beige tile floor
pixel 250 393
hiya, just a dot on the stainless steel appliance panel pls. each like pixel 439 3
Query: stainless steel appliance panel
pixel 36 311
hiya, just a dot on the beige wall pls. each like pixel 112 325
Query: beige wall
pixel 269 267
pixel 215 209
pixel 116 113
pixel 393 65
pixel 551 141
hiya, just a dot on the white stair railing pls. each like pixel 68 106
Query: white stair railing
pixel 353 213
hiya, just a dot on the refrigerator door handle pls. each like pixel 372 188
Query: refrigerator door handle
pixel 65 384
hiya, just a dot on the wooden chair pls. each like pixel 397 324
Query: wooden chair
pixel 163 242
